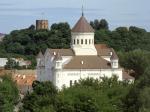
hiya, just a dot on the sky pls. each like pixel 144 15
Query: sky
pixel 19 14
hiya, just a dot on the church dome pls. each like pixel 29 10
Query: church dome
pixel 82 26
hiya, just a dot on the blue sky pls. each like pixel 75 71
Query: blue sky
pixel 17 14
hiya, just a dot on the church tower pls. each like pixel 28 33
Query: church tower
pixel 83 38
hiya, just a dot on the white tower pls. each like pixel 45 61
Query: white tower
pixel 57 70
pixel 114 60
pixel 40 67
pixel 83 38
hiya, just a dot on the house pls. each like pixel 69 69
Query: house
pixel 84 59
pixel 21 61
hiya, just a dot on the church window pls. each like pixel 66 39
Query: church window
pixel 70 82
pixel 77 41
pixel 85 41
pixel 89 41
pixel 81 41
pixel 75 82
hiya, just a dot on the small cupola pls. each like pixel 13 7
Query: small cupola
pixel 58 61
pixel 114 59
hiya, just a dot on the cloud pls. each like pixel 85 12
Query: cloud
pixel 6 4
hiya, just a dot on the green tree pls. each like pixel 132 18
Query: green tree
pixel 135 61
pixel 137 100
pixel 103 24
pixel 8 94
pixel 12 64
pixel 94 95
pixel 41 99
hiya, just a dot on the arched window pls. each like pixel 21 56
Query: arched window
pixel 75 82
pixel 74 41
pixel 89 41
pixel 70 82
pixel 77 41
pixel 81 41
pixel 85 41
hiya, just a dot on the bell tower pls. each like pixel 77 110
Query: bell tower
pixel 83 38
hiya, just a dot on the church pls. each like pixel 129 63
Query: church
pixel 84 59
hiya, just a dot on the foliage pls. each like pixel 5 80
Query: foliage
pixel 96 95
pixel 97 25
pixel 135 61
pixel 28 42
pixel 124 39
pixel 11 64
pixel 87 95
pixel 137 99
pixel 41 99
pixel 8 94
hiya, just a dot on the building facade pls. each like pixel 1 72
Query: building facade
pixel 84 59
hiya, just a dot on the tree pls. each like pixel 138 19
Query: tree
pixel 9 94
pixel 103 24
pixel 32 27
pixel 99 24
pixel 135 61
pixel 15 48
pixel 90 95
pixel 41 99
pixel 137 100
pixel 11 64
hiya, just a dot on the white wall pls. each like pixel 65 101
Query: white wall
pixel 65 76
pixel 83 49
pixel 3 62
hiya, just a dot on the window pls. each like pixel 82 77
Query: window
pixel 115 63
pixel 89 41
pixel 75 82
pixel 85 41
pixel 70 82
pixel 74 41
pixel 81 41
pixel 77 41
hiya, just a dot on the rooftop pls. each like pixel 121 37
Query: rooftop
pixel 82 26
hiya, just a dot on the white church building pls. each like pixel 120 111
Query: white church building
pixel 84 59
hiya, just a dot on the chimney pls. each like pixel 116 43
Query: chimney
pixel 54 53
pixel 24 77
pixel 111 53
